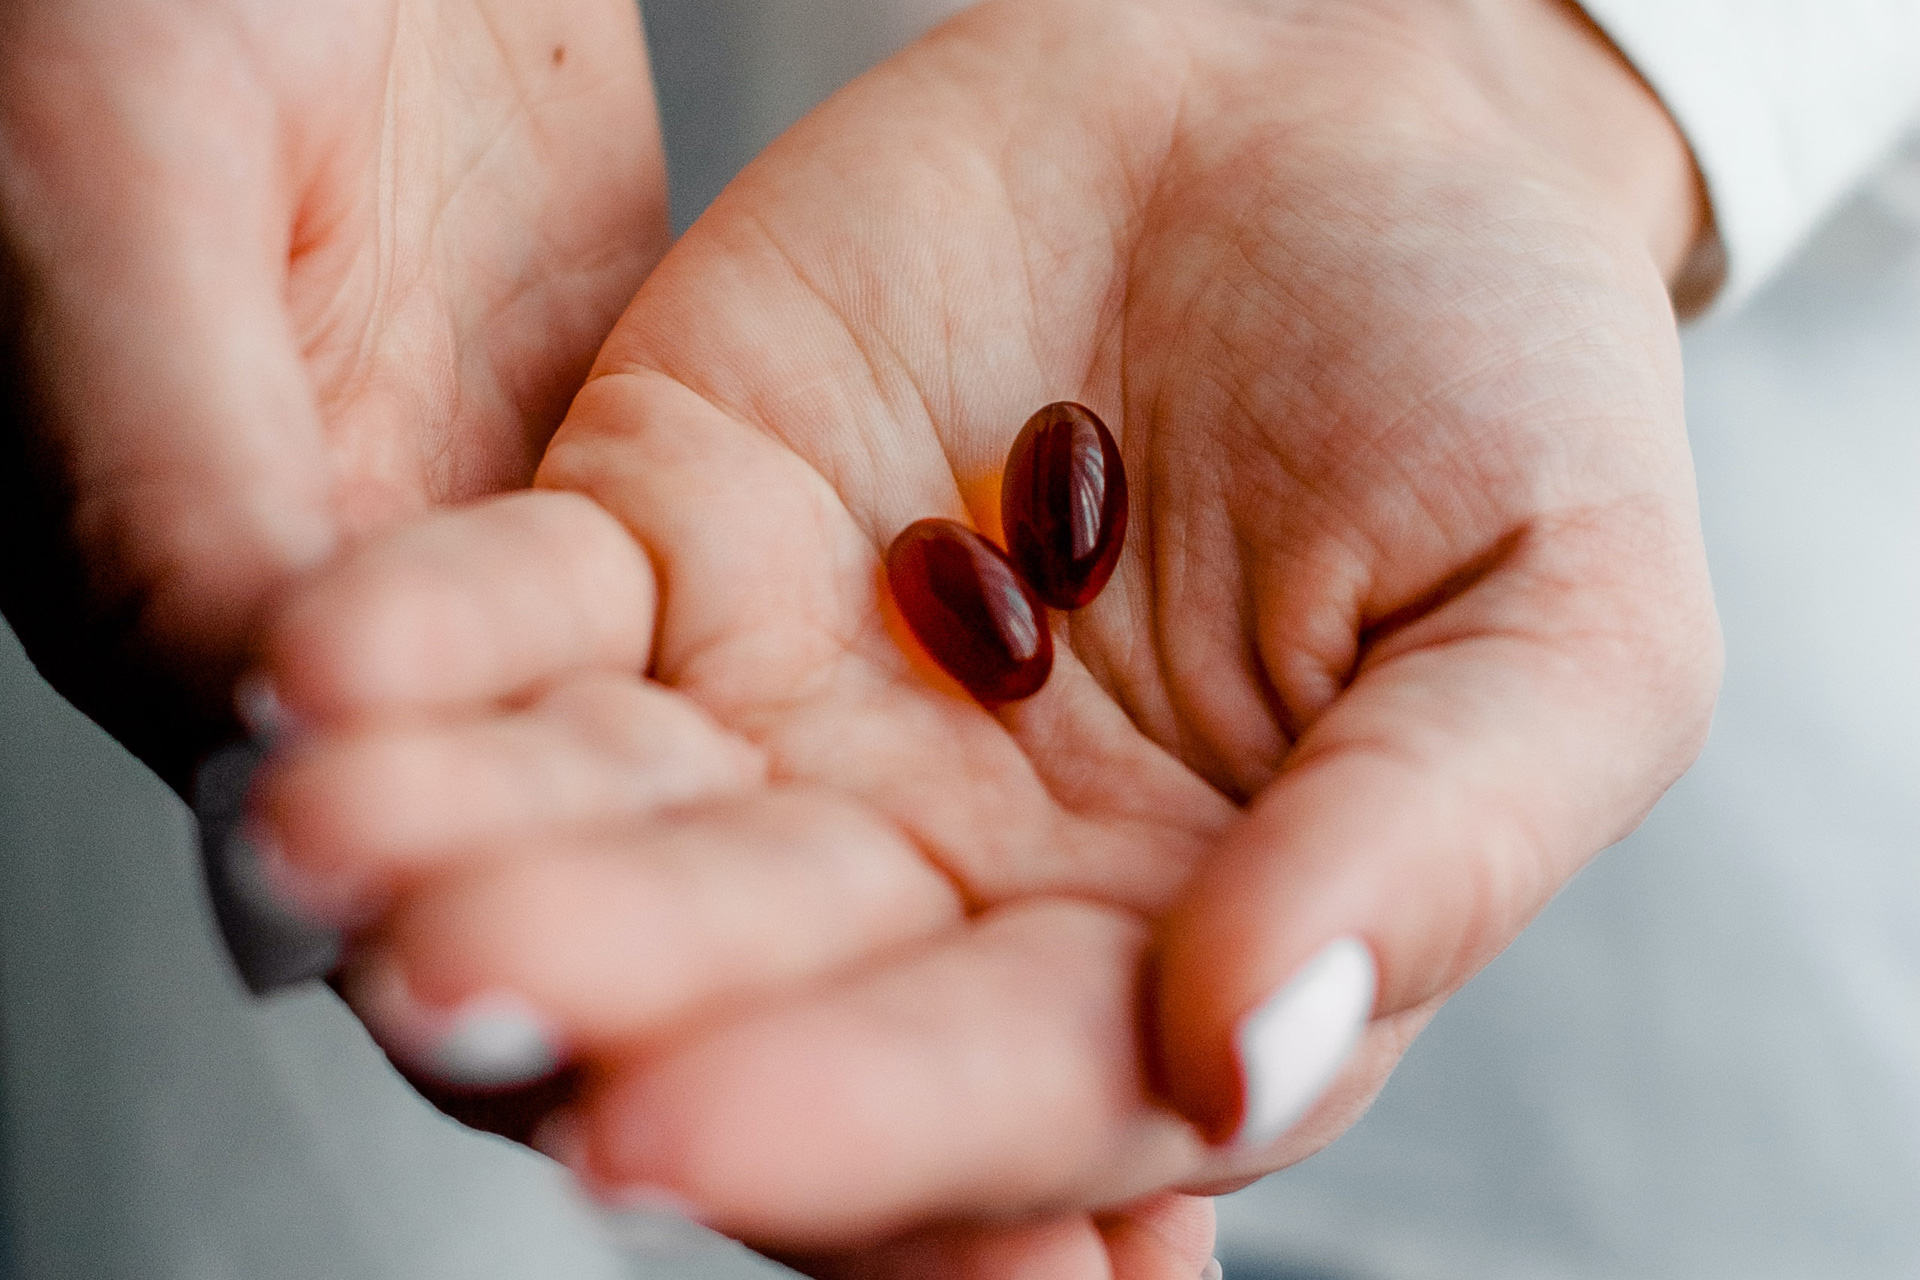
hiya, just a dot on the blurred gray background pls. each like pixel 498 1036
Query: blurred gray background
pixel 1703 1061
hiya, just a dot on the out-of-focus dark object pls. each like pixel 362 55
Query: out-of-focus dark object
pixel 272 946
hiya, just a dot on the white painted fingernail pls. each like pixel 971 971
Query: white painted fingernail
pixel 496 1039
pixel 491 1040
pixel 1292 1046
pixel 256 701
pixel 1212 1271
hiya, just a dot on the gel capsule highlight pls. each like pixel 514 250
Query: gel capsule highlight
pixel 1063 502
pixel 969 608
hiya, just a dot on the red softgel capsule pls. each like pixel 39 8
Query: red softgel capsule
pixel 1063 503
pixel 970 610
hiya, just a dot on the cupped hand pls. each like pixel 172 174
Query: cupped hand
pixel 1412 619
pixel 272 275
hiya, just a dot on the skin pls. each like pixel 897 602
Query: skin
pixel 1413 619
pixel 273 276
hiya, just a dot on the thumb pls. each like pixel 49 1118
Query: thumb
pixel 169 466
pixel 1429 813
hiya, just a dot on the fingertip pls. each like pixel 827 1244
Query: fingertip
pixel 317 807
pixel 1244 1075
pixel 1266 976
pixel 258 706
pixel 490 1040
pixel 566 1138
pixel 332 646
pixel 653 1132
pixel 337 899
pixel 1292 1045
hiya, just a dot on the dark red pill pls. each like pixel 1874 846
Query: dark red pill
pixel 1063 503
pixel 969 608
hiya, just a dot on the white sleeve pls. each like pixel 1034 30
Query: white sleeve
pixel 1786 103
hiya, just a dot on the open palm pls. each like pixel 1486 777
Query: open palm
pixel 1412 619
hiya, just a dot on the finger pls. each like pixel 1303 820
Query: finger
pixel 1160 1238
pixel 1168 1237
pixel 356 814
pixel 994 1073
pixel 463 607
pixel 616 938
pixel 1479 759
pixel 1066 1247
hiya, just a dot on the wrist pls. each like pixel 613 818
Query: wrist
pixel 1539 76
pixel 1552 72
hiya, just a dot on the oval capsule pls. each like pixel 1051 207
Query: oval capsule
pixel 1063 503
pixel 969 608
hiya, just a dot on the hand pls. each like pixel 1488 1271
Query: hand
pixel 1414 616
pixel 272 275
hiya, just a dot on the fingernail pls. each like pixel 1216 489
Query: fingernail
pixel 256 701
pixel 272 942
pixel 1292 1046
pixel 488 1041
pixel 1212 1271
pixel 497 1039
pixel 561 1137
